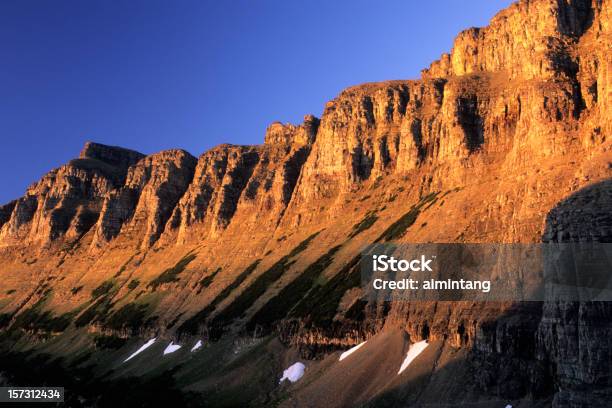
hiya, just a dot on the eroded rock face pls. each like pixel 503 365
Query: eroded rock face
pixel 67 200
pixel 220 177
pixel 143 205
pixel 530 39
pixel 492 144
pixel 255 182
pixel 573 337
pixel 111 155
pixel 6 211
pixel 523 87
pixel 288 134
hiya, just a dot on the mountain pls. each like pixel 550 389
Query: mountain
pixel 256 249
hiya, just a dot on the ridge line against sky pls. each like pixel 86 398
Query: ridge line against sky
pixel 150 75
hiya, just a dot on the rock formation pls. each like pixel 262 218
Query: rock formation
pixel 504 139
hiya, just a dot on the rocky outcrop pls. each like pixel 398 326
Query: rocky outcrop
pixel 151 191
pixel 67 200
pixel 505 139
pixel 6 211
pixel 255 181
pixel 530 39
pixel 220 177
pixel 570 333
pixel 584 216
pixel 114 156
pixel 288 134
pixel 475 102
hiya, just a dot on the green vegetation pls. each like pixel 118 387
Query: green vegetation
pixel 207 280
pixel 192 324
pixel 76 289
pixel 95 312
pixel 171 274
pixel 109 342
pixel 120 271
pixel 43 290
pixel 321 303
pixel 54 324
pixel 89 388
pixel 124 266
pixel 365 224
pixel 103 289
pixel 133 284
pixel 244 300
pixel 259 286
pixel 102 304
pixel 37 319
pixel 278 307
pixel 399 227
pixel 131 316
pixel 302 245
pixel 10 291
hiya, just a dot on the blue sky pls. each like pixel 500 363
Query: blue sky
pixel 152 75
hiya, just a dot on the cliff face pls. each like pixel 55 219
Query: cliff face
pixel 254 181
pixel 151 191
pixel 483 148
pixel 66 201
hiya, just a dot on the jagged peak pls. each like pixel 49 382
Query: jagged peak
pixel 113 155
pixel 369 87
pixel 526 40
pixel 170 154
pixel 286 133
pixel 228 147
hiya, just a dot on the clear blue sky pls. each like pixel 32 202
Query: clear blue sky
pixel 151 75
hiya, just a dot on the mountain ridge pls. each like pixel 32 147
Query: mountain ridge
pixel 485 147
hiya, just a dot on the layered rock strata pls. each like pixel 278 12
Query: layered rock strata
pixel 504 139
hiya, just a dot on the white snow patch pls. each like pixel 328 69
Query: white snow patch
pixel 293 373
pixel 196 346
pixel 508 406
pixel 141 349
pixel 171 348
pixel 351 351
pixel 414 350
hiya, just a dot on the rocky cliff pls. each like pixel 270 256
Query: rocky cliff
pixel 504 139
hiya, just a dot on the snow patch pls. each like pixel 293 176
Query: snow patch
pixel 141 349
pixel 351 351
pixel 196 346
pixel 414 350
pixel 171 348
pixel 508 406
pixel 293 373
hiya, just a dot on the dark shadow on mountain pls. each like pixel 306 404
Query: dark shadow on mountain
pixel 536 353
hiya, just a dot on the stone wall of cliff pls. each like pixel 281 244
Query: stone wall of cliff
pixel 485 147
